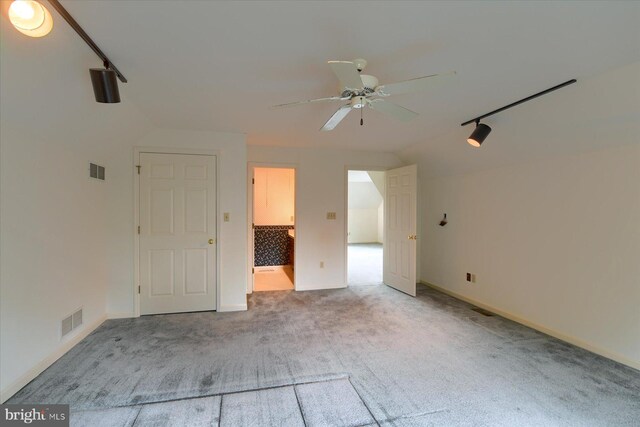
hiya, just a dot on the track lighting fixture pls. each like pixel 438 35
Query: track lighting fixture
pixel 481 131
pixel 30 18
pixel 479 134
pixel 33 19
pixel 105 85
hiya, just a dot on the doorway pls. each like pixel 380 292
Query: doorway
pixel 365 227
pixel 273 226
pixel 176 235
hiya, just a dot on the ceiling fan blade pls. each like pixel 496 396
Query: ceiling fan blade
pixel 347 73
pixel 337 117
pixel 413 85
pixel 393 110
pixel 309 101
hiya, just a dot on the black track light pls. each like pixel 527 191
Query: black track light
pixel 479 134
pixel 481 131
pixel 105 85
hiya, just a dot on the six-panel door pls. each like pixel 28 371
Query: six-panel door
pixel 177 233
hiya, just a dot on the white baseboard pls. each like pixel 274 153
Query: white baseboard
pixel 122 315
pixel 232 307
pixel 28 376
pixel 556 334
pixel 319 287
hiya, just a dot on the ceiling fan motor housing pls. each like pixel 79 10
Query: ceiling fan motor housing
pixel 358 102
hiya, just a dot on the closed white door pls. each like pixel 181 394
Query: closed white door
pixel 177 233
pixel 400 209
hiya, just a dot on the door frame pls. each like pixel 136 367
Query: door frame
pixel 250 259
pixel 348 168
pixel 136 213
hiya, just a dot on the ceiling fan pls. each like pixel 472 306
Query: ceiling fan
pixel 361 90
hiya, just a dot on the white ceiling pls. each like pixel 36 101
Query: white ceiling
pixel 359 176
pixel 210 65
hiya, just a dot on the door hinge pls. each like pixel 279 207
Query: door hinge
pixel 253 225
pixel 253 270
pixel 253 180
pixel 138 167
pixel 138 229
pixel 138 288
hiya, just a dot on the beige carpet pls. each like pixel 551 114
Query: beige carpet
pixel 273 279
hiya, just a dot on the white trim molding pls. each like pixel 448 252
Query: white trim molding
pixel 122 315
pixel 32 373
pixel 232 307
pixel 556 334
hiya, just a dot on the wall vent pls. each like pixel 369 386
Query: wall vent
pixel 71 322
pixel 67 325
pixel 77 318
pixel 96 171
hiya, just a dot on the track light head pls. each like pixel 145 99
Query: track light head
pixel 479 134
pixel 105 85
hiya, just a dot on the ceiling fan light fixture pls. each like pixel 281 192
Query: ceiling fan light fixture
pixel 358 102
pixel 478 135
pixel 30 18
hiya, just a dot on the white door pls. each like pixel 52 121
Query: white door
pixel 400 207
pixel 177 233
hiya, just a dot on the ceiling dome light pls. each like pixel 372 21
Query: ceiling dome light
pixel 30 18
pixel 479 134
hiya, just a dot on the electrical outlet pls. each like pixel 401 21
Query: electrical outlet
pixel 321 264
pixel 331 215
pixel 226 217
pixel 468 277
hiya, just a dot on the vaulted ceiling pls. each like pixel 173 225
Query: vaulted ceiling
pixel 209 65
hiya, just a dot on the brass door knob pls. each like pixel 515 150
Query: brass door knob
pixel 211 241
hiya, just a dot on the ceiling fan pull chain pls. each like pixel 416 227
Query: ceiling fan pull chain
pixel 361 108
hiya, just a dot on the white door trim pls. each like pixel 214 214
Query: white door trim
pixel 136 213
pixel 345 246
pixel 250 260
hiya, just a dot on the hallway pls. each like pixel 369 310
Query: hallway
pixel 365 264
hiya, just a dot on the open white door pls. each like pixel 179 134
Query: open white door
pixel 400 206
pixel 177 233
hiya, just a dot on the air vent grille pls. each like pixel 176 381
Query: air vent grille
pixel 71 322
pixel 96 171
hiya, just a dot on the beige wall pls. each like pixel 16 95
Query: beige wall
pixel 56 223
pixel 364 201
pixel 321 187
pixel 556 243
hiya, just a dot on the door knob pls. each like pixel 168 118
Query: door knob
pixel 211 241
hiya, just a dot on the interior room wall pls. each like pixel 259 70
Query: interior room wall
pixel 364 200
pixel 55 221
pixel 321 187
pixel 232 235
pixel 554 242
